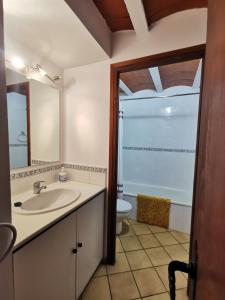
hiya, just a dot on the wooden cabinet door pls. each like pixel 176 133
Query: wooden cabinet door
pixel 90 229
pixel 44 269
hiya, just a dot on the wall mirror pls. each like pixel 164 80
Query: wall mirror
pixel 33 121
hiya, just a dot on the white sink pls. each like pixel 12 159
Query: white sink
pixel 47 201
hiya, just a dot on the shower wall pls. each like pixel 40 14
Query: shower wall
pixel 159 142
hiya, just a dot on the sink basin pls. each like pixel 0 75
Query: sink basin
pixel 47 201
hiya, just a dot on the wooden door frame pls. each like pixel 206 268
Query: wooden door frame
pixel 6 270
pixel 170 57
pixel 23 88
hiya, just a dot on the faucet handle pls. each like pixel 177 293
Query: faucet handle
pixel 38 183
pixel 38 187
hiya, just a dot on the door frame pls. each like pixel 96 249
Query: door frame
pixel 171 57
pixel 23 88
pixel 6 271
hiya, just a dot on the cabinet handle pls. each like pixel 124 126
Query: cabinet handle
pixel 74 251
pixel 80 245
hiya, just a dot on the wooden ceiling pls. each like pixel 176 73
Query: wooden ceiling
pixel 178 74
pixel 115 13
pixel 138 80
pixel 158 9
pixel 117 17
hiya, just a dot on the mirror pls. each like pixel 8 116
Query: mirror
pixel 33 120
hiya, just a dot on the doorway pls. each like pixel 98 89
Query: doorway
pixel 173 57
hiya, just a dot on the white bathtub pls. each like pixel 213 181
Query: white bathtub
pixel 181 203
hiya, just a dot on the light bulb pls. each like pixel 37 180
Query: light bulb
pixel 42 72
pixel 17 63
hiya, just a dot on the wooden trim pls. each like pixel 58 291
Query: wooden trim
pixel 23 88
pixel 6 269
pixel 156 60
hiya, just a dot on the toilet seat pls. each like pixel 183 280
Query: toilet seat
pixel 123 206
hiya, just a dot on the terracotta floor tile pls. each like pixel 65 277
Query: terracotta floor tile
pixel 181 281
pixel 119 247
pixel 138 260
pixel 121 265
pixel 130 232
pixel 157 229
pixel 186 246
pixel 164 296
pixel 123 286
pixel 148 241
pixel 101 271
pixel 181 294
pixel 166 238
pixel 98 288
pixel 148 282
pixel 177 252
pixel 141 229
pixel 158 256
pixel 130 243
pixel 181 237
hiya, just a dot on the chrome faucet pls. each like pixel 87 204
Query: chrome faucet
pixel 38 186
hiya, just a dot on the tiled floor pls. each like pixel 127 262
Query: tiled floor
pixel 140 272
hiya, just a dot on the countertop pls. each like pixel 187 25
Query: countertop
pixel 28 226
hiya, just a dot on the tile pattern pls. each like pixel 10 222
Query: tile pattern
pixel 158 149
pixel 21 173
pixel 140 272
pixel 85 168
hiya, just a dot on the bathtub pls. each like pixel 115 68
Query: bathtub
pixel 181 202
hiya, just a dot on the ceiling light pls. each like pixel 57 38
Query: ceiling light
pixel 168 110
pixel 42 72
pixel 17 63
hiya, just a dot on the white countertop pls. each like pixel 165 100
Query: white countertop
pixel 28 226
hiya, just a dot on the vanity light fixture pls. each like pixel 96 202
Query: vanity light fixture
pixel 17 63
pixel 42 72
pixel 27 70
pixel 39 68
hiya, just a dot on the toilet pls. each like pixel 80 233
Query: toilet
pixel 123 210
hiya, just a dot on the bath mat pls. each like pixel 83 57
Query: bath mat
pixel 153 210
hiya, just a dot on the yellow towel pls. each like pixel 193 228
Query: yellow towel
pixel 153 210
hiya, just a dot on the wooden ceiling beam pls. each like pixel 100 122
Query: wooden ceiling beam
pixel 154 72
pixel 137 15
pixel 125 88
pixel 94 22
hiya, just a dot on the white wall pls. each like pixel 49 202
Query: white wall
pixel 86 107
pixel 86 88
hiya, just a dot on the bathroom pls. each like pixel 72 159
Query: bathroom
pixel 158 120
pixel 101 101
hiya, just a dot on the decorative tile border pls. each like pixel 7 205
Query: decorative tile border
pixel 159 149
pixel 85 168
pixel 37 162
pixel 17 145
pixel 25 173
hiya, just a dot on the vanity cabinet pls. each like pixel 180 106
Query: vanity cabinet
pixel 90 225
pixel 59 262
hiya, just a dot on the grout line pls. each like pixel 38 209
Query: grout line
pixel 133 276
pixel 132 271
pixel 109 286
